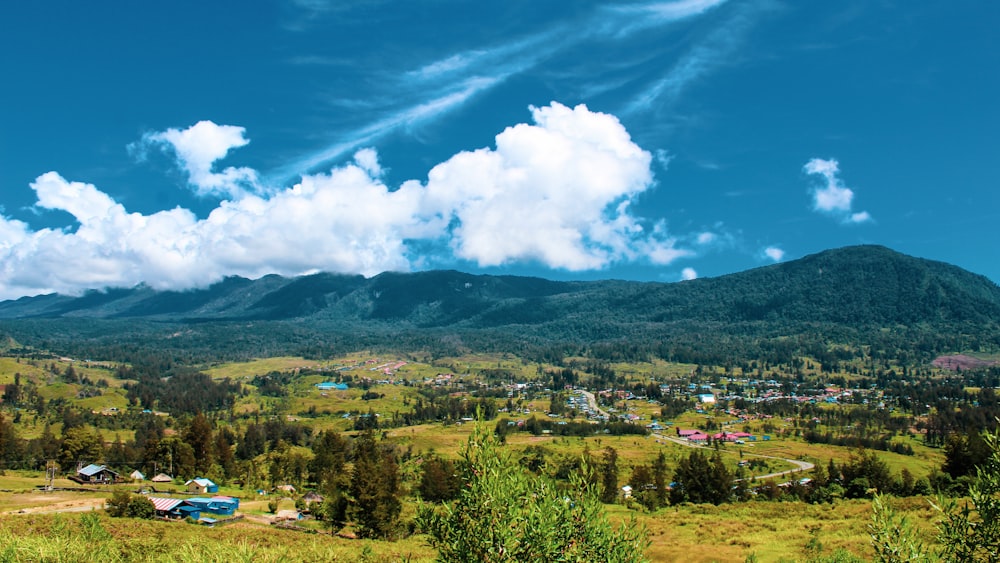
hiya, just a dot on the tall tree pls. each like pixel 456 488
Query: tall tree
pixel 609 476
pixel 374 489
pixel 199 436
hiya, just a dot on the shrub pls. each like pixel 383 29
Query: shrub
pixel 504 513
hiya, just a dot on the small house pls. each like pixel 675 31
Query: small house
pixel 201 485
pixel 287 515
pixel 95 475
pixel 162 478
pixel 311 497
pixel 137 476
pixel 287 489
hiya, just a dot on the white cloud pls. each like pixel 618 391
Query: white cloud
pixel 707 237
pixel 556 192
pixel 774 253
pixel 689 274
pixel 833 197
pixel 198 147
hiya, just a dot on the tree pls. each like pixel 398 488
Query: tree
pixel 609 476
pixel 700 479
pixel 966 534
pixel 199 437
pixel 80 445
pixel 506 514
pixel 374 503
pixel 973 533
pixel 329 455
pixel 439 481
pixel 123 504
pixel 659 469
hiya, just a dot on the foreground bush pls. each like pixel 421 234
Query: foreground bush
pixel 504 514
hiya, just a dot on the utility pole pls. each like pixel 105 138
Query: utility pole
pixel 50 473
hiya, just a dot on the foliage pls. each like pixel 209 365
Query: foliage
pixel 972 533
pixel 439 481
pixel 700 479
pixel 893 536
pixel 506 514
pixel 123 504
pixel 374 491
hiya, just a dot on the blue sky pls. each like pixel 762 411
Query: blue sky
pixel 176 144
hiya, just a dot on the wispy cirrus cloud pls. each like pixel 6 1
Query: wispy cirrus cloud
pixel 436 88
pixel 714 50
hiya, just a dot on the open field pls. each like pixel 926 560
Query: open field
pixel 773 531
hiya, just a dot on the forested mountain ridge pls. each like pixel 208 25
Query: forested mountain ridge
pixel 833 293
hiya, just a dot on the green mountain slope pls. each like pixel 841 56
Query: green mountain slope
pixel 837 294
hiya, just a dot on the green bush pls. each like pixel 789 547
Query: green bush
pixel 504 513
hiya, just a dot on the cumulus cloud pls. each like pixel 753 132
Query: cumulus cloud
pixel 689 274
pixel 774 253
pixel 555 192
pixel 832 197
pixel 198 147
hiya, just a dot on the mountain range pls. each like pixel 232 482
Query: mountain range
pixel 859 288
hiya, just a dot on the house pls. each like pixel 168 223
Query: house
pixel 311 497
pixel 137 476
pixel 174 508
pixel 95 475
pixel 287 515
pixel 162 478
pixel 201 485
pixel 288 489
pixel 627 492
pixel 220 505
pixel 331 386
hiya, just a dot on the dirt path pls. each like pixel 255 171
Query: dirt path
pixel 85 505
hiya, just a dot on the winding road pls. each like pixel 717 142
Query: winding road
pixel 799 464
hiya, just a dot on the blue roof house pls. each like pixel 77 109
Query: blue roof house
pixel 223 506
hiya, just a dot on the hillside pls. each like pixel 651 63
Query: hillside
pixel 837 294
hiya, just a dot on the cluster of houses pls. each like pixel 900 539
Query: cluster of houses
pixel 196 508
pixel 697 436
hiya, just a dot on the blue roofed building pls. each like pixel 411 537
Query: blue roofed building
pixel 95 474
pixel 174 508
pixel 219 505
pixel 331 386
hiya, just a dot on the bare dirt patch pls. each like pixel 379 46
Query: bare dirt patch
pixel 961 362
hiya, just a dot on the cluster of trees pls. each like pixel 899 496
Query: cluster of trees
pixel 538 426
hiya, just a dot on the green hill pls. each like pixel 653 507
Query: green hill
pixel 867 295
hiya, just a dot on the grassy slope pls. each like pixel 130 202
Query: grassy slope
pixel 690 533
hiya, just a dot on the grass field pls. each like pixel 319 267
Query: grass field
pixel 772 531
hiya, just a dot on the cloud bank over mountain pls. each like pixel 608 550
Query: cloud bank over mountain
pixel 556 191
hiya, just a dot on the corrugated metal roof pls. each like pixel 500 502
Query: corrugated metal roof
pixel 165 504
pixel 91 470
